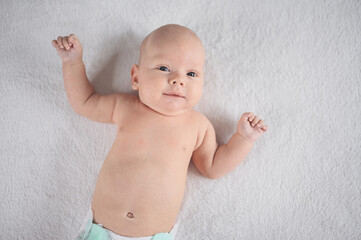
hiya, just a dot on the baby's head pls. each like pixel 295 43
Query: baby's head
pixel 169 77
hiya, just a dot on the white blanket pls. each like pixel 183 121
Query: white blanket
pixel 296 64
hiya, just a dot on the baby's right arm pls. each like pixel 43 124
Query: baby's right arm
pixel 81 94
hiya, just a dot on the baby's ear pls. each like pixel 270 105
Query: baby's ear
pixel 134 74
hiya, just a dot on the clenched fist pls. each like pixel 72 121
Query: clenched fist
pixel 251 126
pixel 69 48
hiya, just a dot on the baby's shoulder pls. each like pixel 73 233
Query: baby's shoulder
pixel 125 103
pixel 200 117
pixel 127 100
pixel 203 125
pixel 202 122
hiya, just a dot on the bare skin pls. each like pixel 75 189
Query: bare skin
pixel 145 171
pixel 141 184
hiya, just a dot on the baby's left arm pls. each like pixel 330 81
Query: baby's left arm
pixel 213 161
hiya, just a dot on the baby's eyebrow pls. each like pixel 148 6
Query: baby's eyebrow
pixel 163 59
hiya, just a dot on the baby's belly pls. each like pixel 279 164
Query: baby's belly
pixel 138 195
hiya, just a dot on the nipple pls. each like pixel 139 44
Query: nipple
pixel 130 215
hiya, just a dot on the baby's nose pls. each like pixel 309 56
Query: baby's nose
pixel 176 80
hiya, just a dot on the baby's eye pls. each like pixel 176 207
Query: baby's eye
pixel 192 74
pixel 163 68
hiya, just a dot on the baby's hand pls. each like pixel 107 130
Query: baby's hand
pixel 251 126
pixel 69 48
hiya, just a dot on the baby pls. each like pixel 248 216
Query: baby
pixel 141 184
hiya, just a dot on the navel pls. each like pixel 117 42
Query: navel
pixel 130 215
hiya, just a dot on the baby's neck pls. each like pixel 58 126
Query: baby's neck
pixel 172 114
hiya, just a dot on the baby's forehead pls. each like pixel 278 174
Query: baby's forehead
pixel 171 34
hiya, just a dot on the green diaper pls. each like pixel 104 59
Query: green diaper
pixel 93 231
pixel 162 236
pixel 98 233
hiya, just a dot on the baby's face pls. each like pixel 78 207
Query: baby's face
pixel 170 74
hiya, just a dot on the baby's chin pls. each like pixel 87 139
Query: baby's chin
pixel 169 110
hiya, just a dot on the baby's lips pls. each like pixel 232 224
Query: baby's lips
pixel 174 94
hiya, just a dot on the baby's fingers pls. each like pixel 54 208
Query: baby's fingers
pixel 65 43
pixel 250 116
pixel 56 45
pixel 265 128
pixel 60 41
pixel 74 42
pixel 260 123
pixel 255 121
pixel 73 39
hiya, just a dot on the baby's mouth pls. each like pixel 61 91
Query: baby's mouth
pixel 177 95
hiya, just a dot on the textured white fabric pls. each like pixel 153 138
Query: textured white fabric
pixel 296 64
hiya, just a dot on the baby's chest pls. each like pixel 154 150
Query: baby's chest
pixel 143 131
pixel 158 136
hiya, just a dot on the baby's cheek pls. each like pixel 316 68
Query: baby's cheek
pixel 196 94
pixel 146 93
